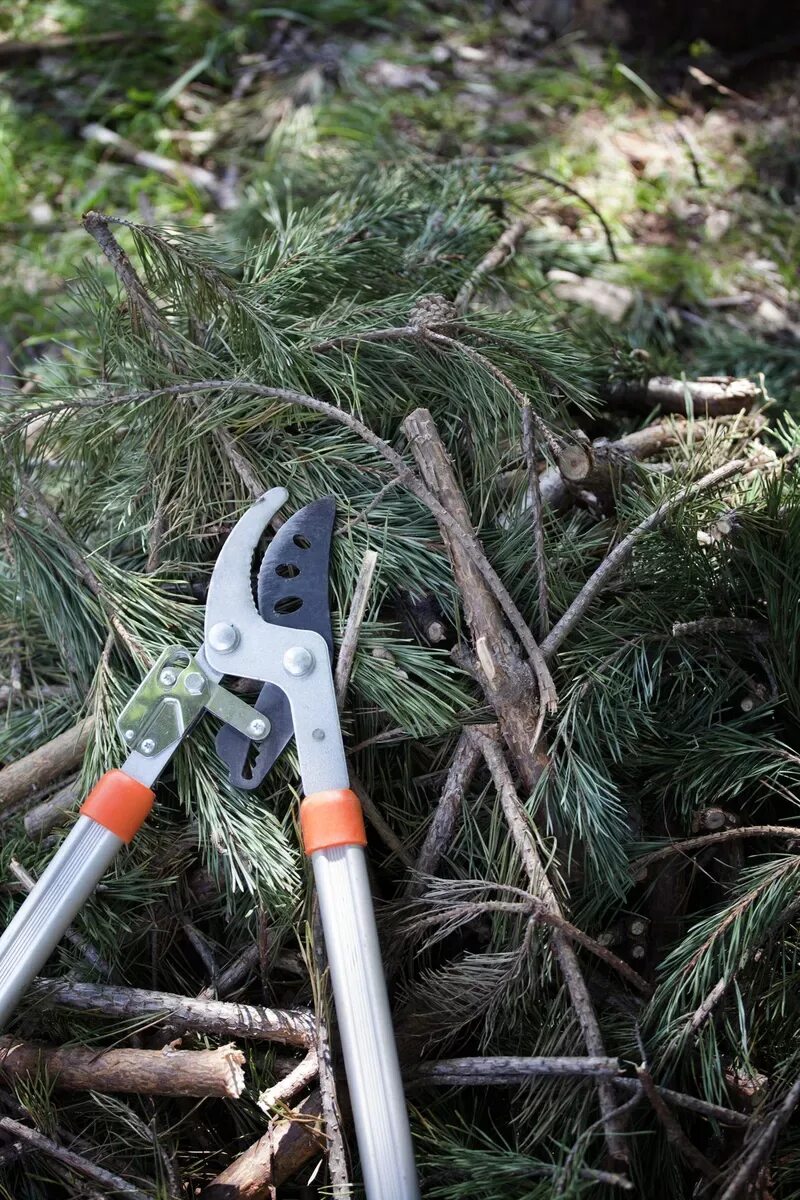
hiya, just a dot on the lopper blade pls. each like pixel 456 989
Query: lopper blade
pixel 292 593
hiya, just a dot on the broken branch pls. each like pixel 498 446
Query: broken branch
pixel 144 1072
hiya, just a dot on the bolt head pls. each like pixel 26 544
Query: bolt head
pixel 223 637
pixel 130 734
pixel 257 727
pixel 147 746
pixel 318 735
pixel 194 683
pixel 168 677
pixel 298 661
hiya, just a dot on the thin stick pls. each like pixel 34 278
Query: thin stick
pixel 442 828
pixel 286 1090
pixel 335 1152
pixel 355 618
pixel 76 939
pixel 74 1162
pixel 537 527
pixel 295 1026
pixel 675 1135
pixel 689 845
pixel 510 1070
pixel 55 758
pixel 617 557
pixel 504 248
pixel 234 974
pixel 764 1143
pixel 373 815
pixel 143 1072
pixel 519 828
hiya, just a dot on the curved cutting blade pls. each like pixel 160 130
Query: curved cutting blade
pixel 292 592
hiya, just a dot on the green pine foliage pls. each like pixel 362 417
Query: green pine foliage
pixel 653 728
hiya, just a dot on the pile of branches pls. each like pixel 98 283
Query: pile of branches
pixel 569 695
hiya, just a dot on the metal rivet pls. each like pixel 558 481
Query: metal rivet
pixel 257 728
pixel 223 637
pixel 194 683
pixel 298 661
pixel 130 734
pixel 147 746
pixel 168 677
pixel 318 735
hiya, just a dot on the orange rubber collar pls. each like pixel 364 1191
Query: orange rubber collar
pixel 332 818
pixel 120 803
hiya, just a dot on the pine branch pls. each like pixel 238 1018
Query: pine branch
pixel 216 1017
pixel 616 558
pixel 376 820
pixel 519 828
pixel 406 476
pixel 110 1183
pixel 87 575
pixel 39 768
pixel 165 1072
pixel 689 845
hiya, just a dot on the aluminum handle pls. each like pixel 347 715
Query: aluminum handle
pixel 365 1025
pixel 42 920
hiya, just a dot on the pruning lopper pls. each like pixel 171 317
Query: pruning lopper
pixel 286 644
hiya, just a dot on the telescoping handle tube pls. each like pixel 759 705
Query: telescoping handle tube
pixel 110 816
pixel 333 835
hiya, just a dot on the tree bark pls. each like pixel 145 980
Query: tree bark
pixel 144 1072
pixel 217 1017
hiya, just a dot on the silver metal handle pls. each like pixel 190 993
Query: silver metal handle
pixel 62 890
pixel 365 1025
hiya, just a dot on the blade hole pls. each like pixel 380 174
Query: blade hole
pixel 301 541
pixel 287 570
pixel 288 604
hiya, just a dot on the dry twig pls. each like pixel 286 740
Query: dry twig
pixel 355 619
pixel 110 1183
pixel 617 557
pixel 503 249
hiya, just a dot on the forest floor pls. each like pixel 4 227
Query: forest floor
pixel 694 172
